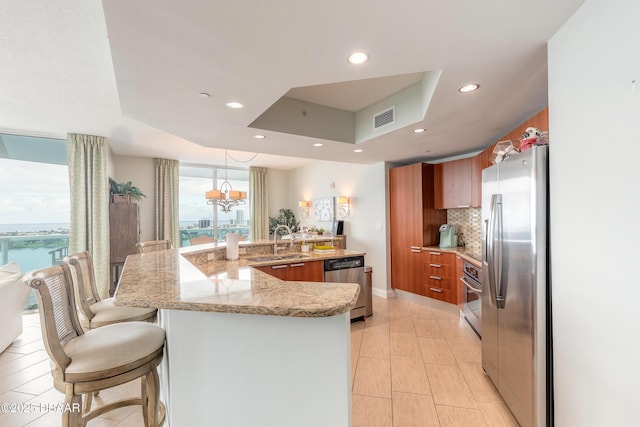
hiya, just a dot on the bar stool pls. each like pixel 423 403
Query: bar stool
pixel 87 362
pixel 96 312
pixel 153 246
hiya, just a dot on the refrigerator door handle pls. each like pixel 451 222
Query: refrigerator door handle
pixel 494 250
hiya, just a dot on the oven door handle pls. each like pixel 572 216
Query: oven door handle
pixel 468 285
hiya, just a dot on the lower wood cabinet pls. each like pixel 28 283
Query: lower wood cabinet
pixel 301 271
pixel 439 276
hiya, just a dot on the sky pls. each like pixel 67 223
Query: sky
pixel 33 192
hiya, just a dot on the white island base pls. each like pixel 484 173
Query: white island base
pixel 224 369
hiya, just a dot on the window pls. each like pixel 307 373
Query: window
pixel 199 219
pixel 34 196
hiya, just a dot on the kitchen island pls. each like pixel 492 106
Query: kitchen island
pixel 245 348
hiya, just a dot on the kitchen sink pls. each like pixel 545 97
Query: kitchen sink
pixel 265 258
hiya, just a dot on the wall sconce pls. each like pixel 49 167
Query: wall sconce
pixel 304 206
pixel 342 207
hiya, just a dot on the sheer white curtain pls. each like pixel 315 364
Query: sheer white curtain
pixel 166 195
pixel 259 203
pixel 89 188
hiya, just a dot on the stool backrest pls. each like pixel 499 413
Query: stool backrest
pixel 84 281
pixel 153 246
pixel 58 317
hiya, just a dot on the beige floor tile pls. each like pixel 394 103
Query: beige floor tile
pixel 37 385
pixel 449 387
pixel 414 410
pixel 408 375
pixel 373 377
pixel 451 416
pixel 378 326
pixel 375 345
pixel 404 345
pixel 356 326
pixel 428 328
pixel 465 349
pixel 497 414
pixel 402 325
pixel 436 350
pixel 455 327
pixel 479 383
pixel 369 411
pixel 421 312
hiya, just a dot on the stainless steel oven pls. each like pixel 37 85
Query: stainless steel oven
pixel 472 307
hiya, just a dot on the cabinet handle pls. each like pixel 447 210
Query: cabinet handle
pixel 416 251
pixel 435 290
pixel 297 265
pixel 435 277
pixel 416 247
pixel 435 265
pixel 464 206
pixel 435 253
pixel 276 267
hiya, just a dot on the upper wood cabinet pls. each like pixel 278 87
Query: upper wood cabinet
pixel 414 223
pixel 458 184
pixel 540 121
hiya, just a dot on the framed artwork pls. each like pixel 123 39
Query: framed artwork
pixel 323 209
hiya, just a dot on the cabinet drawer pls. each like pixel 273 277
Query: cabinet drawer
pixel 438 269
pixel 436 257
pixel 438 293
pixel 435 281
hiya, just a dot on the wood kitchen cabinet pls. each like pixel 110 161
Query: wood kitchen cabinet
pixel 458 184
pixel 439 276
pixel 300 271
pixel 540 121
pixel 124 233
pixel 414 223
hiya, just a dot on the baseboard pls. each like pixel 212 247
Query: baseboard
pixel 389 293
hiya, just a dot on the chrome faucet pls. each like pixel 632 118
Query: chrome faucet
pixel 275 238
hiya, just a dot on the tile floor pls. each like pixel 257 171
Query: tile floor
pixel 413 364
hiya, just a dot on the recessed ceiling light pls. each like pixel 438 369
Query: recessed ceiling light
pixel 204 95
pixel 419 130
pixel 358 150
pixel 469 88
pixel 357 58
pixel 234 104
pixel 318 144
pixel 259 136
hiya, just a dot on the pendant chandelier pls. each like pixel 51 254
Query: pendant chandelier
pixel 226 197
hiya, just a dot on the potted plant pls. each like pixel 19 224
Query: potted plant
pixel 286 217
pixel 124 192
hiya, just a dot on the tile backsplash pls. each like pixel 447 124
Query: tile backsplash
pixel 468 221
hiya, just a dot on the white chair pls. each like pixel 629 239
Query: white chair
pixel 13 294
pixel 87 362
pixel 94 311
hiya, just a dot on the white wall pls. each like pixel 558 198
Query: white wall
pixel 366 187
pixel 141 172
pixel 595 191
pixel 278 187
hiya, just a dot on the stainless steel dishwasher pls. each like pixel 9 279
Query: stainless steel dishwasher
pixel 349 270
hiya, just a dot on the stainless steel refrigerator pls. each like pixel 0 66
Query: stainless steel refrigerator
pixel 516 319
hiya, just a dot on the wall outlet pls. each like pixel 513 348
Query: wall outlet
pixel 378 226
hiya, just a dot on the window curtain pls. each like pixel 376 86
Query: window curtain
pixel 89 188
pixel 259 203
pixel 166 196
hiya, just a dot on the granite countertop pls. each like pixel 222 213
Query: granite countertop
pixel 473 257
pixel 166 280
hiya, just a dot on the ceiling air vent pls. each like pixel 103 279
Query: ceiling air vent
pixel 384 118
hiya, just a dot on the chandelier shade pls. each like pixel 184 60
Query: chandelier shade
pixel 225 197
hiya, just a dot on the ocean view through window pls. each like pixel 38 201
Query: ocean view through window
pixel 201 222
pixel 34 203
